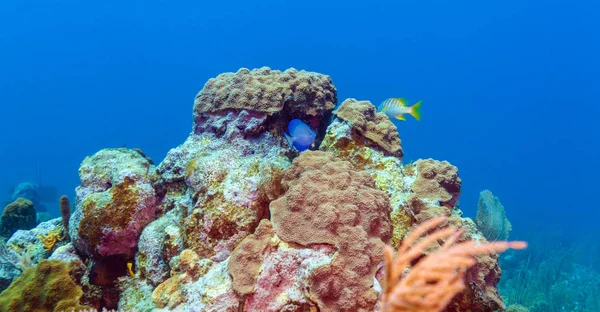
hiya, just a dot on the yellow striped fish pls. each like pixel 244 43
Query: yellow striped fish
pixel 396 108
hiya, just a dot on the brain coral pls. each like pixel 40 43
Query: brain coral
pixel 329 202
pixel 115 201
pixel 375 127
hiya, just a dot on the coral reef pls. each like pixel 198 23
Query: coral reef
pixel 39 242
pixel 47 287
pixel 417 192
pixel 18 215
pixel 329 202
pixel 160 241
pixel 266 95
pixel 491 218
pixel 233 219
pixel 247 259
pixel 115 201
pixel 230 199
pixel 372 128
pixel 433 281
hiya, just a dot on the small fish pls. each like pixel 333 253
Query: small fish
pixel 130 269
pixel 300 136
pixel 396 108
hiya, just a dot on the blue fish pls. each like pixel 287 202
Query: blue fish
pixel 300 136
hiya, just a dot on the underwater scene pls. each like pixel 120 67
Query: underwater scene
pixel 299 156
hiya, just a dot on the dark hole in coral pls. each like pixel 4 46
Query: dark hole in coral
pixel 105 271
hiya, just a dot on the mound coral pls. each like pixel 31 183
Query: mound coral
pixel 328 202
pixel 375 128
pixel 18 215
pixel 268 91
pixel 47 287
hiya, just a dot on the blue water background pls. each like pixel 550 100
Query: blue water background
pixel 510 89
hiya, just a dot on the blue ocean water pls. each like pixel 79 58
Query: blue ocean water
pixel 510 89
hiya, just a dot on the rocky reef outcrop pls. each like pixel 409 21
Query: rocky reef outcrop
pixel 233 219
pixel 115 201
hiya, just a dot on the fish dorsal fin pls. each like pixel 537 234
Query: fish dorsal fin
pixel 401 101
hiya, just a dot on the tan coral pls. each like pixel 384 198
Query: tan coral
pixel 437 181
pixel 246 260
pixel 375 127
pixel 329 202
pixel 266 90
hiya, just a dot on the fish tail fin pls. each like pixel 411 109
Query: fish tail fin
pixel 289 139
pixel 416 110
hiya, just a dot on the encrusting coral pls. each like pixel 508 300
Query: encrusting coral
pixel 46 287
pixel 327 201
pixel 115 201
pixel 433 281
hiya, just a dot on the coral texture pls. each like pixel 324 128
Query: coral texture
pixel 31 242
pixel 160 241
pixel 196 285
pixel 262 100
pixel 247 259
pixel 329 202
pixel 115 201
pixel 47 287
pixel 18 215
pixel 230 198
pixel 435 188
pixel 266 90
pixel 375 128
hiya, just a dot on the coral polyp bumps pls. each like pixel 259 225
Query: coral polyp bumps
pixel 234 219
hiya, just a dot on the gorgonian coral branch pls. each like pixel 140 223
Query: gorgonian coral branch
pixel 430 284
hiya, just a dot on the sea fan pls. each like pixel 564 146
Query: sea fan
pixel 491 217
